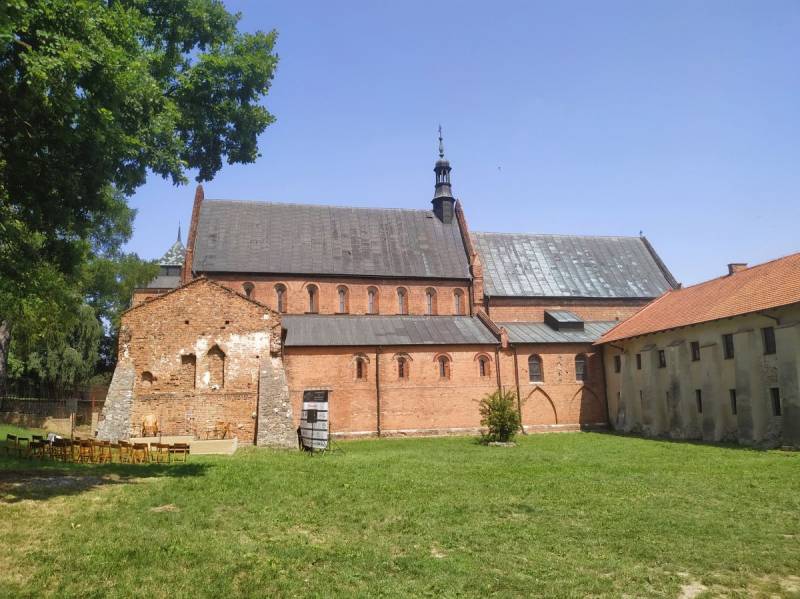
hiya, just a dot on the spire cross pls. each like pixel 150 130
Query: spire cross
pixel 441 143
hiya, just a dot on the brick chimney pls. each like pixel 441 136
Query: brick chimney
pixel 735 267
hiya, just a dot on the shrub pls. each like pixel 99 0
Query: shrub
pixel 500 416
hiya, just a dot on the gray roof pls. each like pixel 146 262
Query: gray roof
pixel 525 265
pixel 563 316
pixel 234 236
pixel 539 332
pixel 165 282
pixel 318 330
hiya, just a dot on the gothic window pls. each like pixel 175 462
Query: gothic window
pixel 280 298
pixel 458 302
pixel 216 367
pixel 249 290
pixel 372 300
pixel 402 301
pixel 342 297
pixel 444 367
pixel 484 368
pixel 535 373
pixel 430 301
pixel 581 373
pixel 313 299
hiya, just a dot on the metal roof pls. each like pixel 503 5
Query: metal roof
pixel 259 237
pixel 526 265
pixel 164 282
pixel 318 330
pixel 563 316
pixel 539 332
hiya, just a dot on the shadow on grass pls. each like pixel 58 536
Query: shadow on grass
pixel 698 442
pixel 22 480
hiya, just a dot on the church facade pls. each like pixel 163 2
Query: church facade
pixel 400 319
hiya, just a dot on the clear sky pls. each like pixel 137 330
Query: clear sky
pixel 680 119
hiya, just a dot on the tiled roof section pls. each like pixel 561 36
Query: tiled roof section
pixel 527 265
pixel 539 332
pixel 165 282
pixel 174 255
pixel 263 237
pixel 761 287
pixel 318 331
pixel 563 316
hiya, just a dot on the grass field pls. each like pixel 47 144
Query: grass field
pixel 575 515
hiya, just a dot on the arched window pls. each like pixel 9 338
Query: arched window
pixel 372 300
pixel 444 367
pixel 581 373
pixel 458 302
pixel 361 368
pixel 216 367
pixel 430 301
pixel 313 299
pixel 343 298
pixel 484 366
pixel 147 378
pixel 402 368
pixel 402 301
pixel 280 297
pixel 535 373
pixel 249 289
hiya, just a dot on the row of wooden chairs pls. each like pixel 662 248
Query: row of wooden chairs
pixel 93 451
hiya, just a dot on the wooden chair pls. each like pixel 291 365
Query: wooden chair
pixel 102 452
pixel 140 453
pixel 86 453
pixel 11 443
pixel 125 452
pixel 37 449
pixel 179 449
pixel 115 449
pixel 162 453
pixel 62 449
pixel 150 426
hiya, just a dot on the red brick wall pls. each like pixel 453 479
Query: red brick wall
pixel 160 335
pixel 532 310
pixel 424 403
pixel 297 293
pixel 560 399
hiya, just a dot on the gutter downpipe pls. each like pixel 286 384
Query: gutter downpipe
pixel 378 389
pixel 605 385
pixel 497 367
pixel 519 396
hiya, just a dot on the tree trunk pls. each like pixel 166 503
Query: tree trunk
pixel 5 341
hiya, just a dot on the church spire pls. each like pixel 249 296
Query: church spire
pixel 443 200
pixel 179 232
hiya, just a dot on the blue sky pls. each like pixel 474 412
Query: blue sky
pixel 680 119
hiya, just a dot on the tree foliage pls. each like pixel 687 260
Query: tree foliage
pixel 93 96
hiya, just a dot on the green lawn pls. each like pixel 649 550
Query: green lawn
pixel 576 515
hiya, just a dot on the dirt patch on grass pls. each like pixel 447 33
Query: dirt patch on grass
pixel 169 507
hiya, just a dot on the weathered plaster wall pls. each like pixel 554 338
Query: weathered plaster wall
pixel 663 401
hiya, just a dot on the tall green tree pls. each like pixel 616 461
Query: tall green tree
pixel 93 95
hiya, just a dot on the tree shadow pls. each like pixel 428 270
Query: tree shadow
pixel 26 480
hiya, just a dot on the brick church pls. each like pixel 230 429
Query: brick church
pixel 399 319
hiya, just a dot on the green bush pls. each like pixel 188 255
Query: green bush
pixel 500 416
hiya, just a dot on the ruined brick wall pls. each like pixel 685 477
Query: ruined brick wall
pixel 357 288
pixel 532 310
pixel 423 403
pixel 194 354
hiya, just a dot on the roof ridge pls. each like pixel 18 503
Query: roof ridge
pixel 637 313
pixel 738 272
pixel 310 205
pixel 558 235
